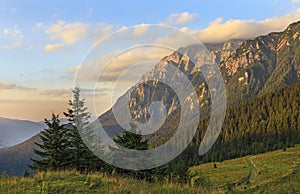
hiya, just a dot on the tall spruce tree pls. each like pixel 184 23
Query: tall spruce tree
pixel 83 158
pixel 53 147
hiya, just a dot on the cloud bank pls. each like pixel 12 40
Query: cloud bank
pixel 220 31
pixel 68 32
pixel 11 86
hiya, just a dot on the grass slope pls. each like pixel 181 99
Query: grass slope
pixel 272 172
pixel 73 182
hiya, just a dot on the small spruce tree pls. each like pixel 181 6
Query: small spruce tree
pixel 131 140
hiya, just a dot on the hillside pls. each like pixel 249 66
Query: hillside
pixel 265 123
pixel 14 160
pixel 272 172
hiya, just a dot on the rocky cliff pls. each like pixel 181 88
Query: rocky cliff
pixel 249 68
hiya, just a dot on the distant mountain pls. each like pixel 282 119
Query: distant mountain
pixel 18 139
pixel 13 132
pixel 14 160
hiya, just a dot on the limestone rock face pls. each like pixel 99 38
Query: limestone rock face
pixel 249 68
pixel 221 52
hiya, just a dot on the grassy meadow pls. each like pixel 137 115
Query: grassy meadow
pixel 74 182
pixel 272 172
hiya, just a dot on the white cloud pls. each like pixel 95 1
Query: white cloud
pixel 296 1
pixel 217 31
pixel 74 69
pixel 12 38
pixel 12 86
pixel 119 62
pixel 139 30
pixel 176 39
pixel 180 19
pixel 61 92
pixel 89 70
pixel 68 32
pixel 100 31
pixel 53 47
pixel 65 92
pixel 220 31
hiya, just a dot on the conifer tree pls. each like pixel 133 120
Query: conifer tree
pixel 131 140
pixel 82 157
pixel 53 147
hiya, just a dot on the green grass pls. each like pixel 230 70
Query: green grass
pixel 74 182
pixel 272 172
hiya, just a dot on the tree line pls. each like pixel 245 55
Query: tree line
pixel 268 122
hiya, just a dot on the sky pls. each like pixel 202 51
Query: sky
pixel 44 43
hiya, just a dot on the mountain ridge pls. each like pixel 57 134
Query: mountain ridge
pixel 249 68
pixel 15 131
pixel 14 160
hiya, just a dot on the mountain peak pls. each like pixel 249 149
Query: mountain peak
pixel 293 25
pixel 249 68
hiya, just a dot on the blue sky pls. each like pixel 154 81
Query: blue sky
pixel 130 13
pixel 43 42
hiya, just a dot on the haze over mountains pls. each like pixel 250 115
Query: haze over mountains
pixel 250 68
pixel 13 131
